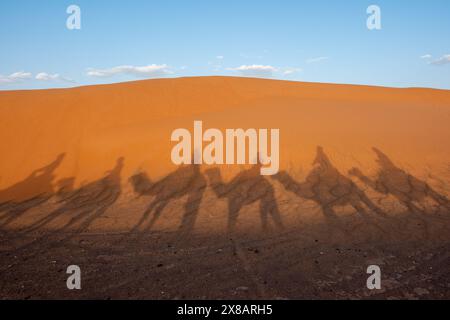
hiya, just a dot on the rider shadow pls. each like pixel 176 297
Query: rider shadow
pixel 187 180
pixel 85 204
pixel 37 188
pixel 407 189
pixel 247 187
pixel 326 186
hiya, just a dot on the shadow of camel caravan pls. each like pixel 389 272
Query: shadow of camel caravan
pixel 327 187
pixel 37 189
pixel 391 180
pixel 84 205
pixel 187 180
pixel 247 187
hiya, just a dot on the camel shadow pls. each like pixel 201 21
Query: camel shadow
pixel 244 189
pixel 407 189
pixel 37 188
pixel 327 187
pixel 85 204
pixel 187 180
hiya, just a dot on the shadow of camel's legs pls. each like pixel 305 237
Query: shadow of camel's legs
pixel 43 221
pixel 369 203
pixel 233 213
pixel 89 219
pixel 333 221
pixel 144 217
pixel 18 210
pixel 191 210
pixel 159 207
pixel 268 205
pixel 11 216
pixel 359 208
pixel 438 198
pixel 135 234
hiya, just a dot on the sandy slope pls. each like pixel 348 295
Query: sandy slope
pixel 96 125
pixel 85 173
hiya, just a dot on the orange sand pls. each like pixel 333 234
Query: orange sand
pixel 93 126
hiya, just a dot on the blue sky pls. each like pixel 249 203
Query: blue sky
pixel 319 41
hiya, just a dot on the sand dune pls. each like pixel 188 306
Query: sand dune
pixel 94 126
pixel 361 167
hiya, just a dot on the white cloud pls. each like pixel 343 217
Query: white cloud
pixel 219 57
pixel 264 71
pixel 46 77
pixel 15 77
pixel 317 59
pixel 152 70
pixel 20 75
pixel 290 71
pixel 445 59
pixel 255 70
pixel 426 56
pixel 43 76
